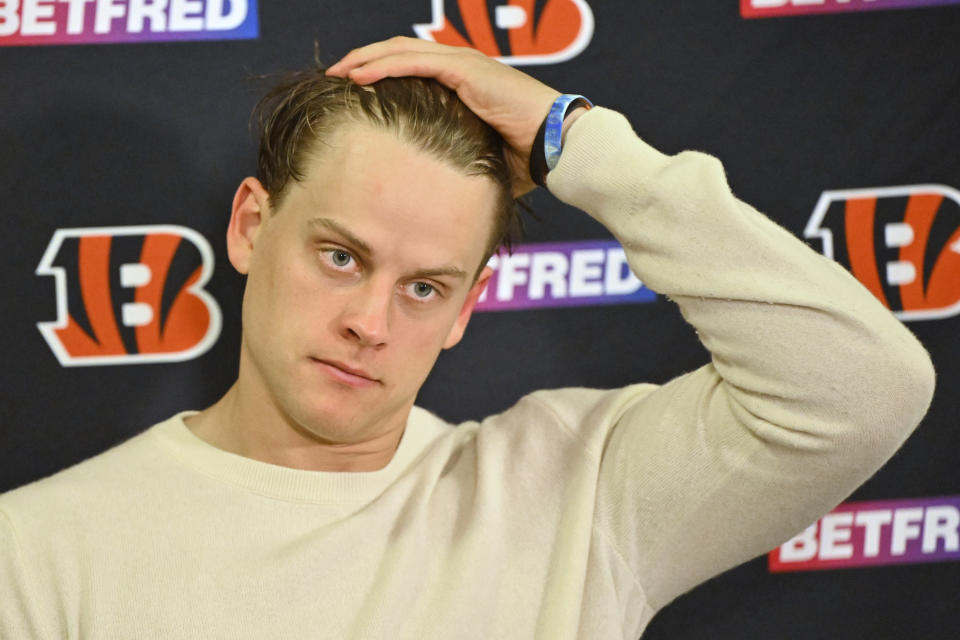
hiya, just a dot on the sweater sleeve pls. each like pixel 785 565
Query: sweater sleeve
pixel 811 387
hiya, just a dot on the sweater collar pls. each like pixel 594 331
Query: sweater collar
pixel 296 485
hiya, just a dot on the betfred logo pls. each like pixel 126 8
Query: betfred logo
pixel 130 295
pixel 562 274
pixel 859 534
pixel 773 8
pixel 516 32
pixel 40 22
pixel 902 243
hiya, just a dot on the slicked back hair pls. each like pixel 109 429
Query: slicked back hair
pixel 306 108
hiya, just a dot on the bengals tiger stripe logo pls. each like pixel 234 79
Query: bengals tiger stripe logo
pixel 513 31
pixel 902 243
pixel 130 295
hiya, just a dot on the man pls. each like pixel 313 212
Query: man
pixel 314 499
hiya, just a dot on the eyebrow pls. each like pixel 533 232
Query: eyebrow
pixel 336 227
pixel 446 270
pixel 451 271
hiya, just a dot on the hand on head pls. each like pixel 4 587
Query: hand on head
pixel 508 100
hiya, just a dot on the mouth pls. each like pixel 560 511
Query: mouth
pixel 346 374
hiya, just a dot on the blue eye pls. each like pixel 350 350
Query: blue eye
pixel 340 258
pixel 422 289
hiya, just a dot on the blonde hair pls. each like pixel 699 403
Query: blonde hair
pixel 305 108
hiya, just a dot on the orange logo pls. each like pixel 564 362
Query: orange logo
pixel 513 31
pixel 130 295
pixel 902 243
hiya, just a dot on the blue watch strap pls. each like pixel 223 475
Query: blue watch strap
pixel 553 135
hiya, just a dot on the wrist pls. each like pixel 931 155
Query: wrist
pixel 569 120
pixel 548 144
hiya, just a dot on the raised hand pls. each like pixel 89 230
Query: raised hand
pixel 509 100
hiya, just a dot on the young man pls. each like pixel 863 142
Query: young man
pixel 314 500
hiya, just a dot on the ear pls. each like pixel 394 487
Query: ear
pixel 251 204
pixel 460 325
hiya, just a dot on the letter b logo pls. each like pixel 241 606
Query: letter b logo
pixel 902 243
pixel 129 295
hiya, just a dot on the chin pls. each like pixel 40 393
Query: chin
pixel 322 423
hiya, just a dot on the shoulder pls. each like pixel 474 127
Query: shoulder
pixel 75 493
pixel 584 414
pixel 575 406
pixel 427 424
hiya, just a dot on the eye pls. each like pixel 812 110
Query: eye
pixel 423 290
pixel 340 258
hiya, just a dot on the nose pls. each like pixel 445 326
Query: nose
pixel 366 317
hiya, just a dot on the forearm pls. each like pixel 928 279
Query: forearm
pixel 778 318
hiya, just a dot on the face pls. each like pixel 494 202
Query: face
pixel 358 280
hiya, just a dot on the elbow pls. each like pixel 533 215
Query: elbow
pixel 902 389
pixel 921 384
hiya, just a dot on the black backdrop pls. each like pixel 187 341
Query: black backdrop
pixel 157 133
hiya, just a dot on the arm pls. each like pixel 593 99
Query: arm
pixel 812 384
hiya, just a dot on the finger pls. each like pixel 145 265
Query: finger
pixel 440 66
pixel 398 44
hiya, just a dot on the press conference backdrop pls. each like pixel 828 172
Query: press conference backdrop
pixel 124 131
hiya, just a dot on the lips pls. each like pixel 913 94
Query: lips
pixel 347 374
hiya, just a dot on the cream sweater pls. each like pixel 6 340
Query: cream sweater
pixel 578 513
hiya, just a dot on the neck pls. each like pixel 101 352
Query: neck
pixel 254 427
